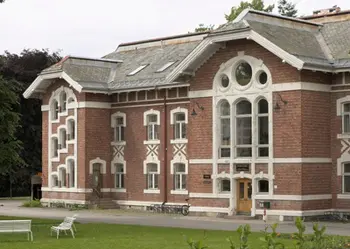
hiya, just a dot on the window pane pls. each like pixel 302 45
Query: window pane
pixel 119 168
pixel 241 190
pixel 263 106
pixel 225 109
pixel 263 123
pixel 347 107
pixel 346 123
pixel 346 184
pixel 184 177
pixel 179 167
pixel 180 117
pixel 152 168
pixel 225 152
pixel 150 181
pixel 244 152
pixel 155 132
pixel 243 73
pixel 225 185
pixel 177 131
pixel 244 130
pixel 244 107
pixel 225 131
pixel 150 132
pixel 155 180
pixel 183 134
pixel 347 168
pixel 152 118
pixel 249 190
pixel 263 186
pixel 263 152
pixel 119 120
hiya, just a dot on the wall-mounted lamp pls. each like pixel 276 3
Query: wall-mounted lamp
pixel 194 113
pixel 277 106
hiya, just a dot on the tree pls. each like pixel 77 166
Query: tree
pixel 254 4
pixel 202 28
pixel 1 1
pixel 23 69
pixel 10 146
pixel 286 8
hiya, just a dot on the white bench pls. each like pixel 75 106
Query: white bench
pixel 17 226
pixel 66 225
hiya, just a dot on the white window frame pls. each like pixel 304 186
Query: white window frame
pixel 152 124
pixel 119 175
pixel 146 173
pixel 180 174
pixel 63 101
pixel 61 177
pixel 258 116
pixel 54 147
pixel 54 180
pixel 224 117
pixel 236 117
pixel 62 135
pixel 55 109
pixel 343 118
pixel 174 122
pixel 71 177
pixel 221 186
pixel 71 128
pixel 118 127
pixel 343 178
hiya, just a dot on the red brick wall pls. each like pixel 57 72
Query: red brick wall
pixel 44 155
pixel 195 178
pixel 288 179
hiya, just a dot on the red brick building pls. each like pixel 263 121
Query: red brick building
pixel 256 110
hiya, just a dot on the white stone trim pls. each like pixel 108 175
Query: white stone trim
pixel 68 190
pixel 151 112
pixel 150 162
pixel 93 104
pixel 180 160
pixel 294 197
pixel 209 195
pixel 343 196
pixel 116 115
pixel 178 141
pixel 201 161
pixel 303 160
pixel 67 201
pixel 144 203
pixel 261 160
pixel 307 86
pixel 151 191
pixel 340 103
pixel 148 142
pixel 178 110
pixel 209 209
pixel 200 94
pixel 179 192
pixel 98 160
pixel 292 212
pixel 119 190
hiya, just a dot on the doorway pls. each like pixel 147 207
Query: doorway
pixel 244 195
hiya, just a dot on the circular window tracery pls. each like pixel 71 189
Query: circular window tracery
pixel 225 81
pixel 262 77
pixel 243 73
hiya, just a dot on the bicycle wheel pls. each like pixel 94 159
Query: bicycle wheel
pixel 185 210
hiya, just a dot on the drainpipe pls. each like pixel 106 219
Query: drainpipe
pixel 165 168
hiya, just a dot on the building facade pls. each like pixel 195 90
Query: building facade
pixel 255 111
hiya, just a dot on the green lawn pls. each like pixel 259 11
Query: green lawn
pixel 104 236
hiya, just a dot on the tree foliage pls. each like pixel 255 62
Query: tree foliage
pixel 254 4
pixel 202 28
pixel 10 146
pixel 22 70
pixel 286 8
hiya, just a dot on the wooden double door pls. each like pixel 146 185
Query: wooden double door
pixel 244 195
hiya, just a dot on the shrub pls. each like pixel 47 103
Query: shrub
pixel 33 203
pixel 196 244
pixel 270 239
pixel 243 232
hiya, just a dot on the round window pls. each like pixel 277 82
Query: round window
pixel 224 80
pixel 243 73
pixel 262 78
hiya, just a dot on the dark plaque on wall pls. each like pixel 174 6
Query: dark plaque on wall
pixel 242 167
pixel 206 176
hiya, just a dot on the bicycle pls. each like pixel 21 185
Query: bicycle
pixel 185 209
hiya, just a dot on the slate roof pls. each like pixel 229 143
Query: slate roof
pixel 321 45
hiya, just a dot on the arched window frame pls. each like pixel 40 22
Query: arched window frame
pixel 225 119
pixel 245 123
pixel 262 147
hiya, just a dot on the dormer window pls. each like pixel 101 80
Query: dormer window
pixel 137 70
pixel 163 68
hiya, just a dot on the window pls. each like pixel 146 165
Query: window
pixel 225 81
pixel 263 128
pixel 62 181
pixel 152 176
pixel 54 179
pixel 119 130
pixel 55 109
pixel 225 130
pixel 225 185
pixel 180 176
pixel 263 186
pixel 346 118
pixel 244 129
pixel 63 137
pixel 346 178
pixel 119 175
pixel 71 129
pixel 64 101
pixel 71 170
pixel 152 127
pixel 137 70
pixel 165 66
pixel 54 147
pixel 243 73
pixel 180 125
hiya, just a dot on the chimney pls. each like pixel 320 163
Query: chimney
pixel 334 14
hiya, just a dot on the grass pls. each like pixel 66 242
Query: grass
pixel 22 198
pixel 105 236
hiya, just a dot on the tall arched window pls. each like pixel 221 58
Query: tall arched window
pixel 263 128
pixel 71 172
pixel 225 130
pixel 63 100
pixel 244 129
pixel 54 110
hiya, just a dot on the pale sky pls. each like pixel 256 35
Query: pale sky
pixel 94 28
